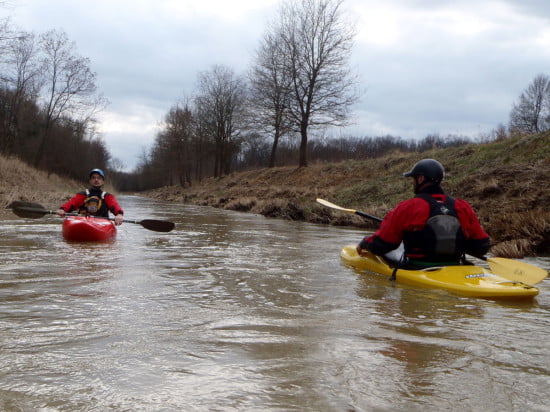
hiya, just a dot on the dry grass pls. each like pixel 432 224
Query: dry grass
pixel 244 204
pixel 22 182
pixel 521 233
pixel 513 249
pixel 507 183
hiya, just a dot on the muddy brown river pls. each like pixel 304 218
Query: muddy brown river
pixel 237 312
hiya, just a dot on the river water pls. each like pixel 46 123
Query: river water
pixel 237 312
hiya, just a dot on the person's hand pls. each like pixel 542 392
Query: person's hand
pixel 60 212
pixel 361 251
pixel 119 219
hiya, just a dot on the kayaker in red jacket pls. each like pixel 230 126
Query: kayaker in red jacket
pixel 94 201
pixel 435 228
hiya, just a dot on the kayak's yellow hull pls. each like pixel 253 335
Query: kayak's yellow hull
pixel 474 281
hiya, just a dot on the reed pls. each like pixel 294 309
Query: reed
pixel 22 182
pixel 244 204
pixel 513 249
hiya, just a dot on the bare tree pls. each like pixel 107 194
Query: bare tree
pixel 70 85
pixel 22 77
pixel 116 165
pixel 317 41
pixel 5 30
pixel 270 92
pixel 532 113
pixel 220 106
pixel 176 144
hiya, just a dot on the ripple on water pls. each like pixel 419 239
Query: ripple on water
pixel 234 311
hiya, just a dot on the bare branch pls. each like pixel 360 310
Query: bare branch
pixel 532 113
pixel 70 85
pixel 316 43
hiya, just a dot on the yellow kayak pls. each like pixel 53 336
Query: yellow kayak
pixel 466 280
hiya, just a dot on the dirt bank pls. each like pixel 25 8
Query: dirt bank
pixel 22 182
pixel 506 182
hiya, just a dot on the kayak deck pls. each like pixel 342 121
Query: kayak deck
pixel 466 280
pixel 88 229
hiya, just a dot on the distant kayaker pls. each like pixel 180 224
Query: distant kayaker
pixel 94 201
pixel 435 229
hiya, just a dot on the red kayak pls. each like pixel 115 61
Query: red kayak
pixel 88 229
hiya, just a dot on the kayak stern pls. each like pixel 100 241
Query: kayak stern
pixel 465 280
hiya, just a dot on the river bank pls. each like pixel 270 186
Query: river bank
pixel 506 182
pixel 22 182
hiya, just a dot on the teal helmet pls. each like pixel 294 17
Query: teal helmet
pixel 98 171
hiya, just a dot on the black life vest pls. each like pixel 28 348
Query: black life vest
pixel 441 239
pixel 94 204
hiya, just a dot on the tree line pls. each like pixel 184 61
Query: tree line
pixel 48 103
pixel 299 81
pixel 299 84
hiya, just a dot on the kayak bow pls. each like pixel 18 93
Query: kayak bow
pixel 88 229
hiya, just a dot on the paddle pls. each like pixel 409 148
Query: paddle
pixel 35 210
pixel 353 211
pixel 507 268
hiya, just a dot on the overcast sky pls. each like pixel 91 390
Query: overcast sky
pixel 426 66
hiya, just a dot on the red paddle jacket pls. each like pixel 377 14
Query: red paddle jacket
pixel 109 202
pixel 410 216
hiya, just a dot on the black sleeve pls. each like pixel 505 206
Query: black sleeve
pixel 478 247
pixel 378 246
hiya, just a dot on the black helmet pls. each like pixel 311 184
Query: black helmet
pixel 430 168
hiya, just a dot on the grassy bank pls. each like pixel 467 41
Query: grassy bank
pixel 22 182
pixel 507 183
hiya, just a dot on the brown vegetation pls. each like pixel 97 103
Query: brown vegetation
pixel 22 182
pixel 507 183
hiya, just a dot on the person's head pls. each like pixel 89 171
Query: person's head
pixel 426 172
pixel 97 177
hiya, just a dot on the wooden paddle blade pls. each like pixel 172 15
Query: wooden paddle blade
pixel 157 225
pixel 516 270
pixel 333 206
pixel 28 209
pixel 343 209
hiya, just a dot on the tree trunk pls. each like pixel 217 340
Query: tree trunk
pixel 40 151
pixel 274 149
pixel 303 145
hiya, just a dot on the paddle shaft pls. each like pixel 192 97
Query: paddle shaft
pixel 51 212
pixel 376 219
pixel 98 217
pixel 35 210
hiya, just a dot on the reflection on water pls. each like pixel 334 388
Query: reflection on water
pixel 233 311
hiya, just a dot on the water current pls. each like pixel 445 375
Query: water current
pixel 238 312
